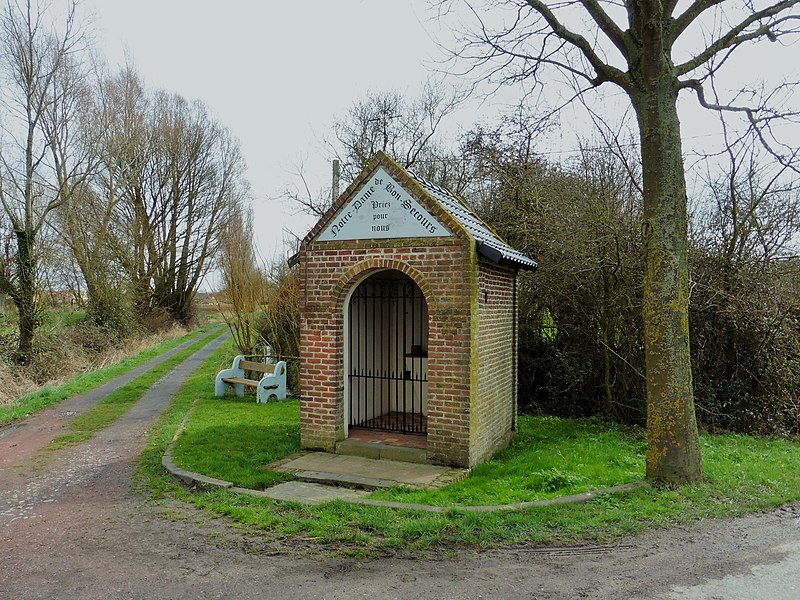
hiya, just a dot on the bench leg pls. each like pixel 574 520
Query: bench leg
pixel 266 392
pixel 220 387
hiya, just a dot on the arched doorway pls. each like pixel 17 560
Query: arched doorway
pixel 386 356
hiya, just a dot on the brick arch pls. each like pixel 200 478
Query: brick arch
pixel 351 277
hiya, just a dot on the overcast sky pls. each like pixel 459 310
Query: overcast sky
pixel 277 72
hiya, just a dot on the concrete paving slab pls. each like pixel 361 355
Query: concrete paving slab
pixel 309 493
pixel 346 480
pixel 405 473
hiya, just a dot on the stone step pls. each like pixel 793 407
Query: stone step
pixel 377 451
pixel 357 472
pixel 355 482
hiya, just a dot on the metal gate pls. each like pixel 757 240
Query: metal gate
pixel 388 355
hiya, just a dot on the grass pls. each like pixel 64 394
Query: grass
pixel 9 321
pixel 549 457
pixel 40 399
pixel 117 403
pixel 234 438
pixel 71 317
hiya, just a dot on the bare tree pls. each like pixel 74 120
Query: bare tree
pixel 126 165
pixel 243 282
pixel 171 174
pixel 281 316
pixel 200 178
pixel 83 219
pixel 407 128
pixel 39 170
pixel 753 213
pixel 635 46
pixel 84 225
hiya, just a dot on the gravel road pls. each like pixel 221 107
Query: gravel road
pixel 70 527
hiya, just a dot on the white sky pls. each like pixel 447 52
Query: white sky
pixel 277 72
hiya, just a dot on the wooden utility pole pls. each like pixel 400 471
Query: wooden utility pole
pixel 337 174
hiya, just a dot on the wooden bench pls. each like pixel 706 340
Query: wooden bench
pixel 272 382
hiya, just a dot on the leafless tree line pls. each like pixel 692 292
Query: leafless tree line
pixel 137 184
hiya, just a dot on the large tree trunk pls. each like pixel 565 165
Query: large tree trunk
pixel 673 448
pixel 25 296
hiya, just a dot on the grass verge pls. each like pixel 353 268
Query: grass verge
pixel 117 403
pixel 550 456
pixel 234 438
pixel 36 401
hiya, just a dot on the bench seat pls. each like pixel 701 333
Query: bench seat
pixel 272 382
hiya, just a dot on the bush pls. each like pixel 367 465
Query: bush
pixel 280 322
pixel 745 332
pixel 580 331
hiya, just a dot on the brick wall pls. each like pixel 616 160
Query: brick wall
pixel 442 270
pixel 494 398
pixel 471 404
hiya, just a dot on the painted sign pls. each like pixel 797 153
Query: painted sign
pixel 382 209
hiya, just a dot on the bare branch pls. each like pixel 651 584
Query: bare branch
pixel 605 72
pixel 619 38
pixel 758 123
pixel 736 36
pixel 304 198
pixel 689 16
pixel 611 139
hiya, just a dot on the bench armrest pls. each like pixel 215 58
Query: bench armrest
pixel 273 384
pixel 235 372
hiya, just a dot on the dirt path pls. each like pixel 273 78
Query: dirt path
pixel 20 440
pixel 71 528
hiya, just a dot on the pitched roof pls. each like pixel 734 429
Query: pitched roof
pixel 489 244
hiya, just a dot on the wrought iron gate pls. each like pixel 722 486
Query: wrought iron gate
pixel 388 355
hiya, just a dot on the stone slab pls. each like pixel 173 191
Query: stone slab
pixel 310 493
pixel 404 473
pixel 381 451
pixel 348 480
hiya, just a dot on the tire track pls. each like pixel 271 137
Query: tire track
pixel 112 449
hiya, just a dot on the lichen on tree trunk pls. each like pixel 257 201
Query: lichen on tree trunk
pixel 673 449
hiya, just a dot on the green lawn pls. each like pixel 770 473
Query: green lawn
pixel 549 457
pixel 233 439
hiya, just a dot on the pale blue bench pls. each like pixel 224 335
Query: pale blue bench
pixel 272 382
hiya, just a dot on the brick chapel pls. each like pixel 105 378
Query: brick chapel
pixel 409 322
